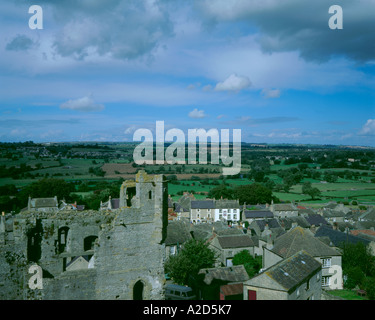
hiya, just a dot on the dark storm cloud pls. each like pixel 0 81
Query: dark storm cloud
pixel 302 25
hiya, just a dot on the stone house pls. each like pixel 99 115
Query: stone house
pixel 42 205
pixel 226 247
pixel 178 232
pixel 297 277
pixel 251 215
pixel 211 280
pixel 298 239
pixel 202 211
pixel 284 210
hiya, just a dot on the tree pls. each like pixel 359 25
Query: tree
pixel 311 191
pixel 221 191
pixel 252 265
pixel 358 266
pixel 194 256
pixel 253 194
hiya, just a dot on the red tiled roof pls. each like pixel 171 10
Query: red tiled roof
pixel 366 231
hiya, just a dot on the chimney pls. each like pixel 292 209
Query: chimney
pixel 269 245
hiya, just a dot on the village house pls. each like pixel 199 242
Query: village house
pixel 297 277
pixel 251 215
pixel 284 210
pixel 202 211
pixel 211 210
pixel 227 246
pixel 42 205
pixel 298 239
pixel 228 210
pixel 178 232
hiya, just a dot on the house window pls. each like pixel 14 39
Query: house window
pixel 326 262
pixel 220 210
pixel 234 217
pixel 172 250
pixel 229 217
pixel 220 216
pixel 326 281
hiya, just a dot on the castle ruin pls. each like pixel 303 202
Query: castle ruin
pixel 88 255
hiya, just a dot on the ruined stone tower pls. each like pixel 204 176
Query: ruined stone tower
pixel 114 254
pixel 129 258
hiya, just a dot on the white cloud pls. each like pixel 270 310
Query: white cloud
pixel 368 128
pixel 233 83
pixel 271 93
pixel 85 104
pixel 197 114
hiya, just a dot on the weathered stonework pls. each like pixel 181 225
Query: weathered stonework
pixel 124 248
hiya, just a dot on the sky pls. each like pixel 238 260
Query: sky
pixel 99 70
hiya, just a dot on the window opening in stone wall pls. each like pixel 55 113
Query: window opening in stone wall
pixel 138 290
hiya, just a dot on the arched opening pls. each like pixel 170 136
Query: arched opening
pixel 138 290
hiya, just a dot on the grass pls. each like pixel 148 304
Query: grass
pixel 346 294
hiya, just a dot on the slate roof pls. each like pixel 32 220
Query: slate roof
pixel 284 207
pixel 226 204
pixel 86 257
pixel 338 237
pixel 254 214
pixel 235 241
pixel 333 213
pixel 287 223
pixel 316 220
pixel 272 223
pixel 204 231
pixel 202 204
pixel 370 215
pixel 44 202
pixel 230 274
pixel 178 232
pixel 287 274
pixel 298 239
pixel 179 208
